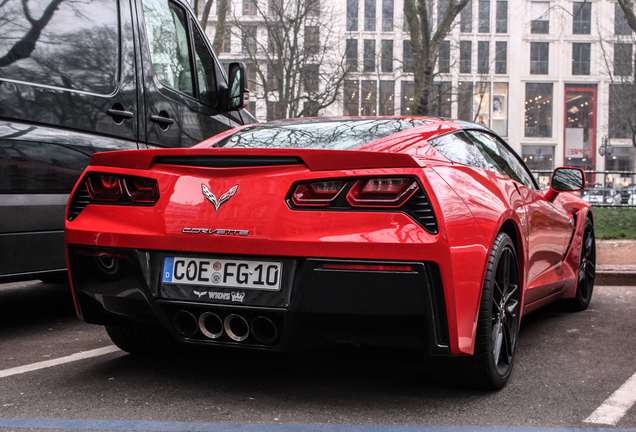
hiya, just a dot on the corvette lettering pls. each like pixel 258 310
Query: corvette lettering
pixel 214 231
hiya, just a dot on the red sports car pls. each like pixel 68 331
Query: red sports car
pixel 421 232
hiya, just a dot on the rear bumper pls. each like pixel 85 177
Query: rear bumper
pixel 314 304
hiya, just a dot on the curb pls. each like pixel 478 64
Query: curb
pixel 620 278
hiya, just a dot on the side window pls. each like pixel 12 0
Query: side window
pixel 65 44
pixel 457 147
pixel 168 41
pixel 205 70
pixel 500 158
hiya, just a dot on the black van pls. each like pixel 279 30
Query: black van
pixel 83 77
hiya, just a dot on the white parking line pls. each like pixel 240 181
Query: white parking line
pixel 616 406
pixel 48 363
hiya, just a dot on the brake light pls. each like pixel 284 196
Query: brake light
pixel 142 190
pixel 381 192
pixel 103 187
pixel 317 193
pixel 367 267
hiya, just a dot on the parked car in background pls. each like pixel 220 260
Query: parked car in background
pixel 632 199
pixel 417 232
pixel 83 77
pixel 600 195
pixel 626 193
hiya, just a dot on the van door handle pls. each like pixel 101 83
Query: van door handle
pixel 119 115
pixel 162 120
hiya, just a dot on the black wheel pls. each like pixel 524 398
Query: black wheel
pixel 587 270
pixel 144 340
pixel 497 329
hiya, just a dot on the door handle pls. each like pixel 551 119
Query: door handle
pixel 162 120
pixel 119 113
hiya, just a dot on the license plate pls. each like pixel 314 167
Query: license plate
pixel 257 275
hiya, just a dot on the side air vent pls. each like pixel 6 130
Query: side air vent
pixel 422 209
pixel 439 304
pixel 80 201
pixel 228 161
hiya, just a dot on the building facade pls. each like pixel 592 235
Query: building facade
pixel 551 77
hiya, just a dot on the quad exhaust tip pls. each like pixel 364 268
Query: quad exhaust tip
pixel 264 330
pixel 236 327
pixel 185 323
pixel 211 325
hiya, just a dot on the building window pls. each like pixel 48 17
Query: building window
pixel 407 56
pixel 581 58
pixel 352 15
pixel 226 47
pixel 352 55
pixel 499 122
pixel 387 97
pixel 623 59
pixel 441 98
pixel 351 98
pixel 465 54
pixel 482 104
pixel 387 55
pixel 275 7
pixel 312 40
pixel 369 95
pixel 538 114
pixel 465 101
pixel 272 80
pixel 622 159
pixel 538 158
pixel 311 81
pixel 621 113
pixel 443 64
pixel 484 16
pixel 501 57
pixel 387 15
pixel 369 15
pixel 621 26
pixel 369 56
pixel 483 57
pixel 313 8
pixel 502 17
pixel 582 18
pixel 540 17
pixel 311 109
pixel 408 93
pixel 249 7
pixel 274 37
pixel 539 58
pixel 251 107
pixel 442 8
pixel 466 18
pixel 272 110
pixel 249 39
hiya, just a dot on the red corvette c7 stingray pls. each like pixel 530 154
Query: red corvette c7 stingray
pixel 422 232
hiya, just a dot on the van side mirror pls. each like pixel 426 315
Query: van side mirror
pixel 237 82
pixel 566 179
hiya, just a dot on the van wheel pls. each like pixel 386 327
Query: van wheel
pixel 143 340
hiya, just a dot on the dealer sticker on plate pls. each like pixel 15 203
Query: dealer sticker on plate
pixel 259 275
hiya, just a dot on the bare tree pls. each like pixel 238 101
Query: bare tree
pixel 425 42
pixel 293 55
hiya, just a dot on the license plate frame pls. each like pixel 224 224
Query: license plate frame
pixel 259 275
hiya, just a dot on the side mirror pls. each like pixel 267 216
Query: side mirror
pixel 566 179
pixel 237 81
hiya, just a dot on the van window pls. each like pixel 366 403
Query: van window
pixel 205 70
pixel 66 44
pixel 168 41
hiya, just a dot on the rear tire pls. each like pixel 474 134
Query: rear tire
pixel 587 270
pixel 490 366
pixel 144 340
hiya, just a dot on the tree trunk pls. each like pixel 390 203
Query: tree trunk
pixel 219 34
pixel 206 13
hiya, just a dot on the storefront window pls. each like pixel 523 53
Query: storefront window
pixel 538 115
pixel 500 108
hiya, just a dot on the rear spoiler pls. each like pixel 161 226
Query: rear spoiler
pixel 315 160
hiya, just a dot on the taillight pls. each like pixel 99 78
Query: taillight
pixel 142 190
pixel 124 189
pixel 381 192
pixel 102 187
pixel 317 193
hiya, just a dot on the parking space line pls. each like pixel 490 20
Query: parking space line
pixel 616 406
pixel 157 426
pixel 55 362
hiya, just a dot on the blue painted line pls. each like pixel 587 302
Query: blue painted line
pixel 156 426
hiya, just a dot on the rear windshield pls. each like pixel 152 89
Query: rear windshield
pixel 331 134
